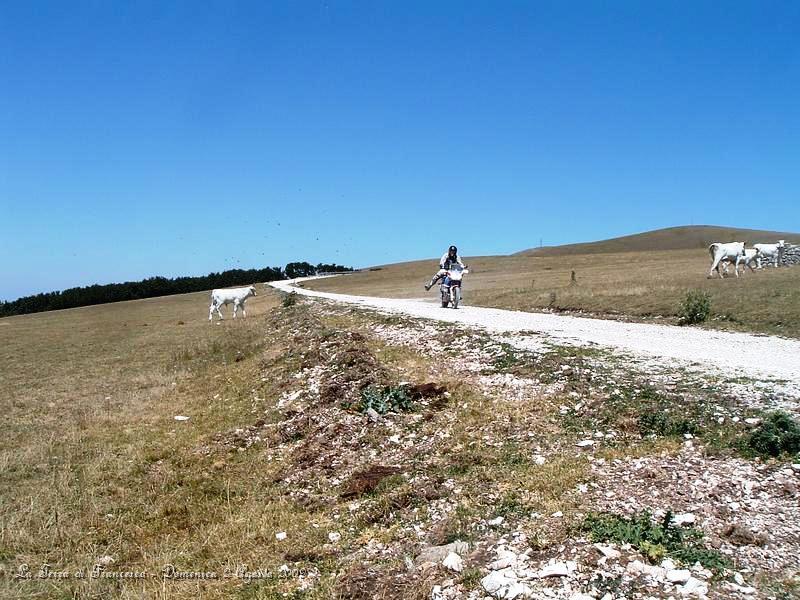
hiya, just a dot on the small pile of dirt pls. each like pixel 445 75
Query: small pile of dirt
pixel 426 390
pixel 368 583
pixel 367 480
pixel 352 368
pixel 739 535
pixel 347 363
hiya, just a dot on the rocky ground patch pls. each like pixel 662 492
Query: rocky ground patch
pixel 451 463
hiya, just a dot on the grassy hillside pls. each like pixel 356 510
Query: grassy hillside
pixel 626 284
pixel 672 238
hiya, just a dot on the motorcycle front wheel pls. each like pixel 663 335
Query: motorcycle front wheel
pixel 456 296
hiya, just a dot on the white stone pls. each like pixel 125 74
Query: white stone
pixel 701 571
pixel 334 536
pixel 683 519
pixel 453 562
pixel 561 569
pixel 744 590
pixel 668 564
pixel 608 551
pixel 436 554
pixel 505 559
pixel 495 522
pixel 694 587
pixel 517 590
pixel 181 418
pixel 678 575
pixel 585 443
pixel 637 567
pixel 496 581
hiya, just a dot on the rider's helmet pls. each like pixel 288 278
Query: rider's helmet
pixel 452 251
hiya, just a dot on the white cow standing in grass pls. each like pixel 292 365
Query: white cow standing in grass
pixel 235 296
pixel 732 251
pixel 748 259
pixel 769 251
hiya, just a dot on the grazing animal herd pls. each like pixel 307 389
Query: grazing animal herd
pixel 736 254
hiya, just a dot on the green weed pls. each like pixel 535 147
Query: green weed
pixel 655 540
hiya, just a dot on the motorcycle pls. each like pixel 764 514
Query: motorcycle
pixel 450 288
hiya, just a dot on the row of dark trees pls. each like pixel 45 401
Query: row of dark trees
pixel 158 286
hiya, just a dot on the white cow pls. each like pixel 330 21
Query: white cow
pixel 730 251
pixel 769 251
pixel 748 259
pixel 235 296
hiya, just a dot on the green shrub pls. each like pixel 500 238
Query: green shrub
pixel 653 539
pixel 385 399
pixel 662 424
pixel 778 433
pixel 695 307
pixel 289 299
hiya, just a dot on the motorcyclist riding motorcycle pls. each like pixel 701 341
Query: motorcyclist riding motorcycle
pixel 448 258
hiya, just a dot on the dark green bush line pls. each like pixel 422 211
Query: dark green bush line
pixel 655 540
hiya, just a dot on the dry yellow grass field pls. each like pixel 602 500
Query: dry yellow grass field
pixel 621 284
pixel 90 445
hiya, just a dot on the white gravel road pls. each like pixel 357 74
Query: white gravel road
pixel 731 354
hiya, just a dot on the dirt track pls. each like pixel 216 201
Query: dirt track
pixel 730 354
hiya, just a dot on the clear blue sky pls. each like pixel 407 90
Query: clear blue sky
pixel 144 138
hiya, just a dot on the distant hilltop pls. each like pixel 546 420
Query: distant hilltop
pixel 672 238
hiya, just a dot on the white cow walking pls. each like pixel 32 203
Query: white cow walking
pixel 748 259
pixel 730 251
pixel 235 296
pixel 769 251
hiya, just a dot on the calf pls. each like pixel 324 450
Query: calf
pixel 748 259
pixel 769 251
pixel 730 251
pixel 235 296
